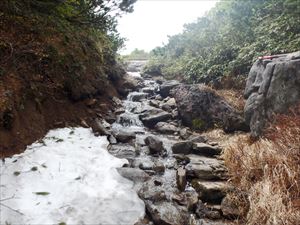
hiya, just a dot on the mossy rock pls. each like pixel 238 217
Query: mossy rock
pixel 198 124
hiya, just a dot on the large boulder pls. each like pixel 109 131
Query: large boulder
pixel 273 85
pixel 128 84
pixel 166 87
pixel 201 108
pixel 155 145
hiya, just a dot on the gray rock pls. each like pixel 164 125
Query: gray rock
pixel 98 128
pixel 155 145
pixel 272 87
pixel 205 168
pixel 143 163
pixel 169 105
pixel 201 108
pixel 137 96
pixel 167 213
pixel 183 147
pixel 112 139
pixel 149 90
pixel 124 136
pixel 197 138
pixel 151 192
pixel 152 119
pixel 123 151
pixel 206 149
pixel 133 174
pixel 165 128
pixel 181 179
pixel 166 87
pixel 210 191
pixel 185 133
pixel 202 211
pixel 154 103
pixel 159 167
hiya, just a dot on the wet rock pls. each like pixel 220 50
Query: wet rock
pixel 158 97
pixel 143 163
pixel 152 119
pixel 175 114
pixel 122 151
pixel 188 199
pixel 210 191
pixel 185 133
pixel 202 211
pixel 166 87
pixel 201 108
pixel 183 147
pixel 133 174
pixel 192 199
pixel 154 103
pixel 119 111
pixel 197 138
pixel 129 119
pixel 128 84
pixel 205 168
pixel 155 145
pixel 149 90
pixel 151 192
pixel 112 140
pixel 169 105
pixel 98 128
pixel 181 159
pixel 124 136
pixel 110 117
pixel 159 167
pixel 181 179
pixel 165 128
pixel 144 221
pixel 137 96
pixel 167 213
pixel 117 101
pixel 206 149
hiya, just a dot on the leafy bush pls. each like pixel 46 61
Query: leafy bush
pixel 229 39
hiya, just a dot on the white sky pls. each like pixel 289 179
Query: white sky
pixel 153 20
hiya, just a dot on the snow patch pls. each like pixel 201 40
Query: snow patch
pixel 68 177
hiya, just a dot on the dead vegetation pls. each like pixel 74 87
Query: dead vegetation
pixel 267 172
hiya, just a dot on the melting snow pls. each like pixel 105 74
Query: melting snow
pixel 68 177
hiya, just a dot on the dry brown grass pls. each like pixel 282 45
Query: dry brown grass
pixel 233 97
pixel 268 171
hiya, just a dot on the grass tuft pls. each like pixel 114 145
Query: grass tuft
pixel 268 171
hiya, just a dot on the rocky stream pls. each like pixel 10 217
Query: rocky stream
pixel 178 173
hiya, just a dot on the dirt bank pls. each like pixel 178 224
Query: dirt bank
pixel 51 75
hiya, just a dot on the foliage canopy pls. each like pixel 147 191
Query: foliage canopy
pixel 228 39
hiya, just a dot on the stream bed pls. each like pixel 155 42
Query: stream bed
pixel 141 173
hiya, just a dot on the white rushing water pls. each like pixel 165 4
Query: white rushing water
pixel 68 177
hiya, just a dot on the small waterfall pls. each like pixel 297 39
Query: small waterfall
pixel 128 119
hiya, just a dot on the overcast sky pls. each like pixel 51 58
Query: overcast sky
pixel 153 20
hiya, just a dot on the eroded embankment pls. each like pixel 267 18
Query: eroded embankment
pixel 51 75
